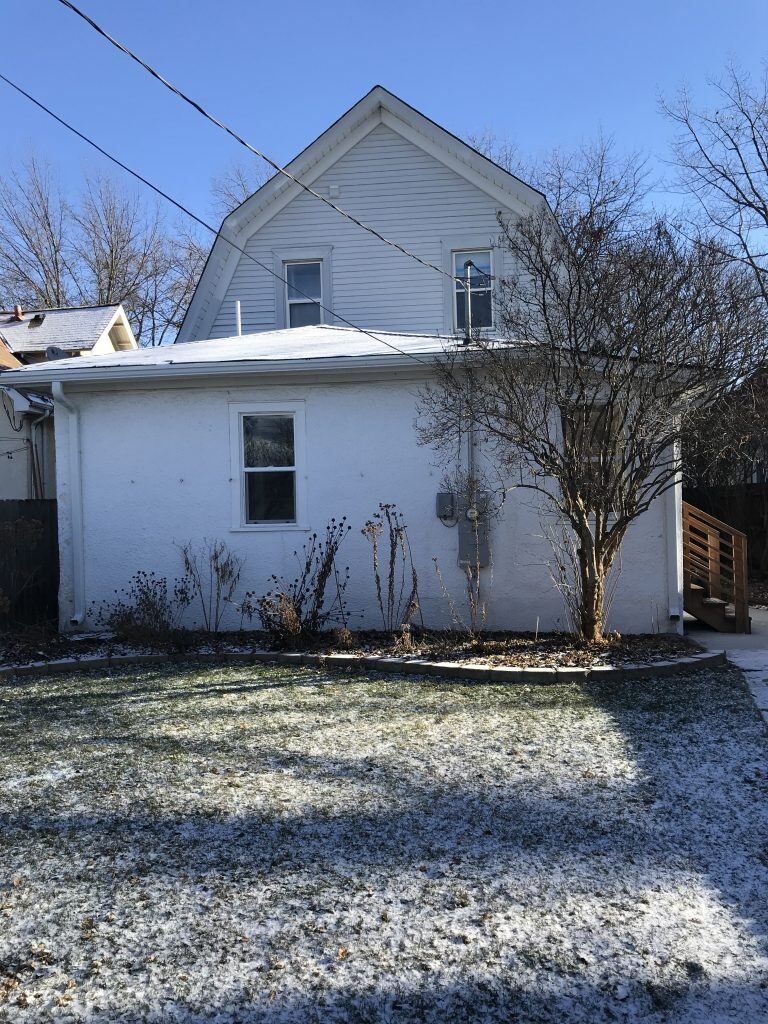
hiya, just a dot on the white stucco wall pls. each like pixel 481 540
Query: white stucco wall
pixel 156 472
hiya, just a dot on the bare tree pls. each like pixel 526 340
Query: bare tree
pixel 613 329
pixel 236 183
pixel 35 226
pixel 501 150
pixel 106 246
pixel 722 157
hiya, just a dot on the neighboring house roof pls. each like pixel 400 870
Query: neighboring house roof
pixel 294 349
pixel 72 329
pixel 7 358
pixel 379 106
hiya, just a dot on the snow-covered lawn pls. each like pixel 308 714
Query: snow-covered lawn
pixel 265 844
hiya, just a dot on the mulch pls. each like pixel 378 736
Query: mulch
pixel 488 648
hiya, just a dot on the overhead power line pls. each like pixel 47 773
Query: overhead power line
pixel 252 149
pixel 199 220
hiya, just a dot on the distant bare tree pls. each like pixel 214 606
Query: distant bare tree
pixel 614 329
pixel 35 225
pixel 501 150
pixel 236 183
pixel 107 246
pixel 722 157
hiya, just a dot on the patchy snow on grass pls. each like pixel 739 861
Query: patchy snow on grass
pixel 276 845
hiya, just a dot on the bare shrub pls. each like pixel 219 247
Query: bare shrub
pixel 294 612
pixel 477 607
pixel 397 592
pixel 214 572
pixel 148 610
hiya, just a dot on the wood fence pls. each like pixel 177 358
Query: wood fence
pixel 29 563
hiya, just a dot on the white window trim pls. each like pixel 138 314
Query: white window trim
pixel 302 254
pixel 237 411
pixel 450 248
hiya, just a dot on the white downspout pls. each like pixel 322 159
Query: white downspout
pixel 75 503
pixel 674 534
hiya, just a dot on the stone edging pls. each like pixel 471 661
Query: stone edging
pixel 373 663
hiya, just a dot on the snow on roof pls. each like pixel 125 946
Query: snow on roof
pixel 299 344
pixel 72 328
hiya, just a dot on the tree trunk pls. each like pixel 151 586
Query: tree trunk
pixel 592 610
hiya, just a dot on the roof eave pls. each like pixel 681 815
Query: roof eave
pixel 26 378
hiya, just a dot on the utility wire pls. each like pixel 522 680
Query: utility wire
pixel 202 223
pixel 252 149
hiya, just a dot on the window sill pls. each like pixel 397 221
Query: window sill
pixel 270 528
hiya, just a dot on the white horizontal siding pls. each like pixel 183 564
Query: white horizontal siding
pixel 407 195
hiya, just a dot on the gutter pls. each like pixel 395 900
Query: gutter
pixel 137 372
pixel 75 503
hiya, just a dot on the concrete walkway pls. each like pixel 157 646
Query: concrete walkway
pixel 749 652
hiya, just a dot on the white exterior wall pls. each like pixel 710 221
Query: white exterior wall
pixel 16 478
pixel 156 472
pixel 406 194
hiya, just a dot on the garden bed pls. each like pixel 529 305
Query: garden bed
pixel 492 649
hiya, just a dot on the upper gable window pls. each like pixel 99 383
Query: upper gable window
pixel 480 287
pixel 304 293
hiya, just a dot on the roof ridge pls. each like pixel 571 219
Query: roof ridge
pixel 61 309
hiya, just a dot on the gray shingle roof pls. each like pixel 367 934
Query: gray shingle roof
pixel 74 328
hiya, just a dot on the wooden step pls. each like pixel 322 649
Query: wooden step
pixel 715 572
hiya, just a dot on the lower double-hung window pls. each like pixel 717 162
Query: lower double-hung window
pixel 268 444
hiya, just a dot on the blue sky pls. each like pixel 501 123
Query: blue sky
pixel 542 74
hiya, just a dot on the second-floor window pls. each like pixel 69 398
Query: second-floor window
pixel 304 293
pixel 480 288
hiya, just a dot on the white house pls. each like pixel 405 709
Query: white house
pixel 154 447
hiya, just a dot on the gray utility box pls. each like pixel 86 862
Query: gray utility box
pixel 472 522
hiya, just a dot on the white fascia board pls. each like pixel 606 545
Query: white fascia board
pixel 118 315
pixel 235 368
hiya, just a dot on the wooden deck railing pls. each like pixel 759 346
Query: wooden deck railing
pixel 715 563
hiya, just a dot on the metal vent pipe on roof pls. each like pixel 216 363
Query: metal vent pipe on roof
pixel 238 318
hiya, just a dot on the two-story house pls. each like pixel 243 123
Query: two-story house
pixel 291 393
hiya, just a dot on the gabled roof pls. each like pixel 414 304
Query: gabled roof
pixel 7 358
pixel 292 349
pixel 72 329
pixel 379 106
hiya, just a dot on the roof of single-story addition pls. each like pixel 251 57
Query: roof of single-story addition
pixel 297 348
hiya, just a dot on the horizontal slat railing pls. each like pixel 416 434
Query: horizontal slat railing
pixel 715 563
